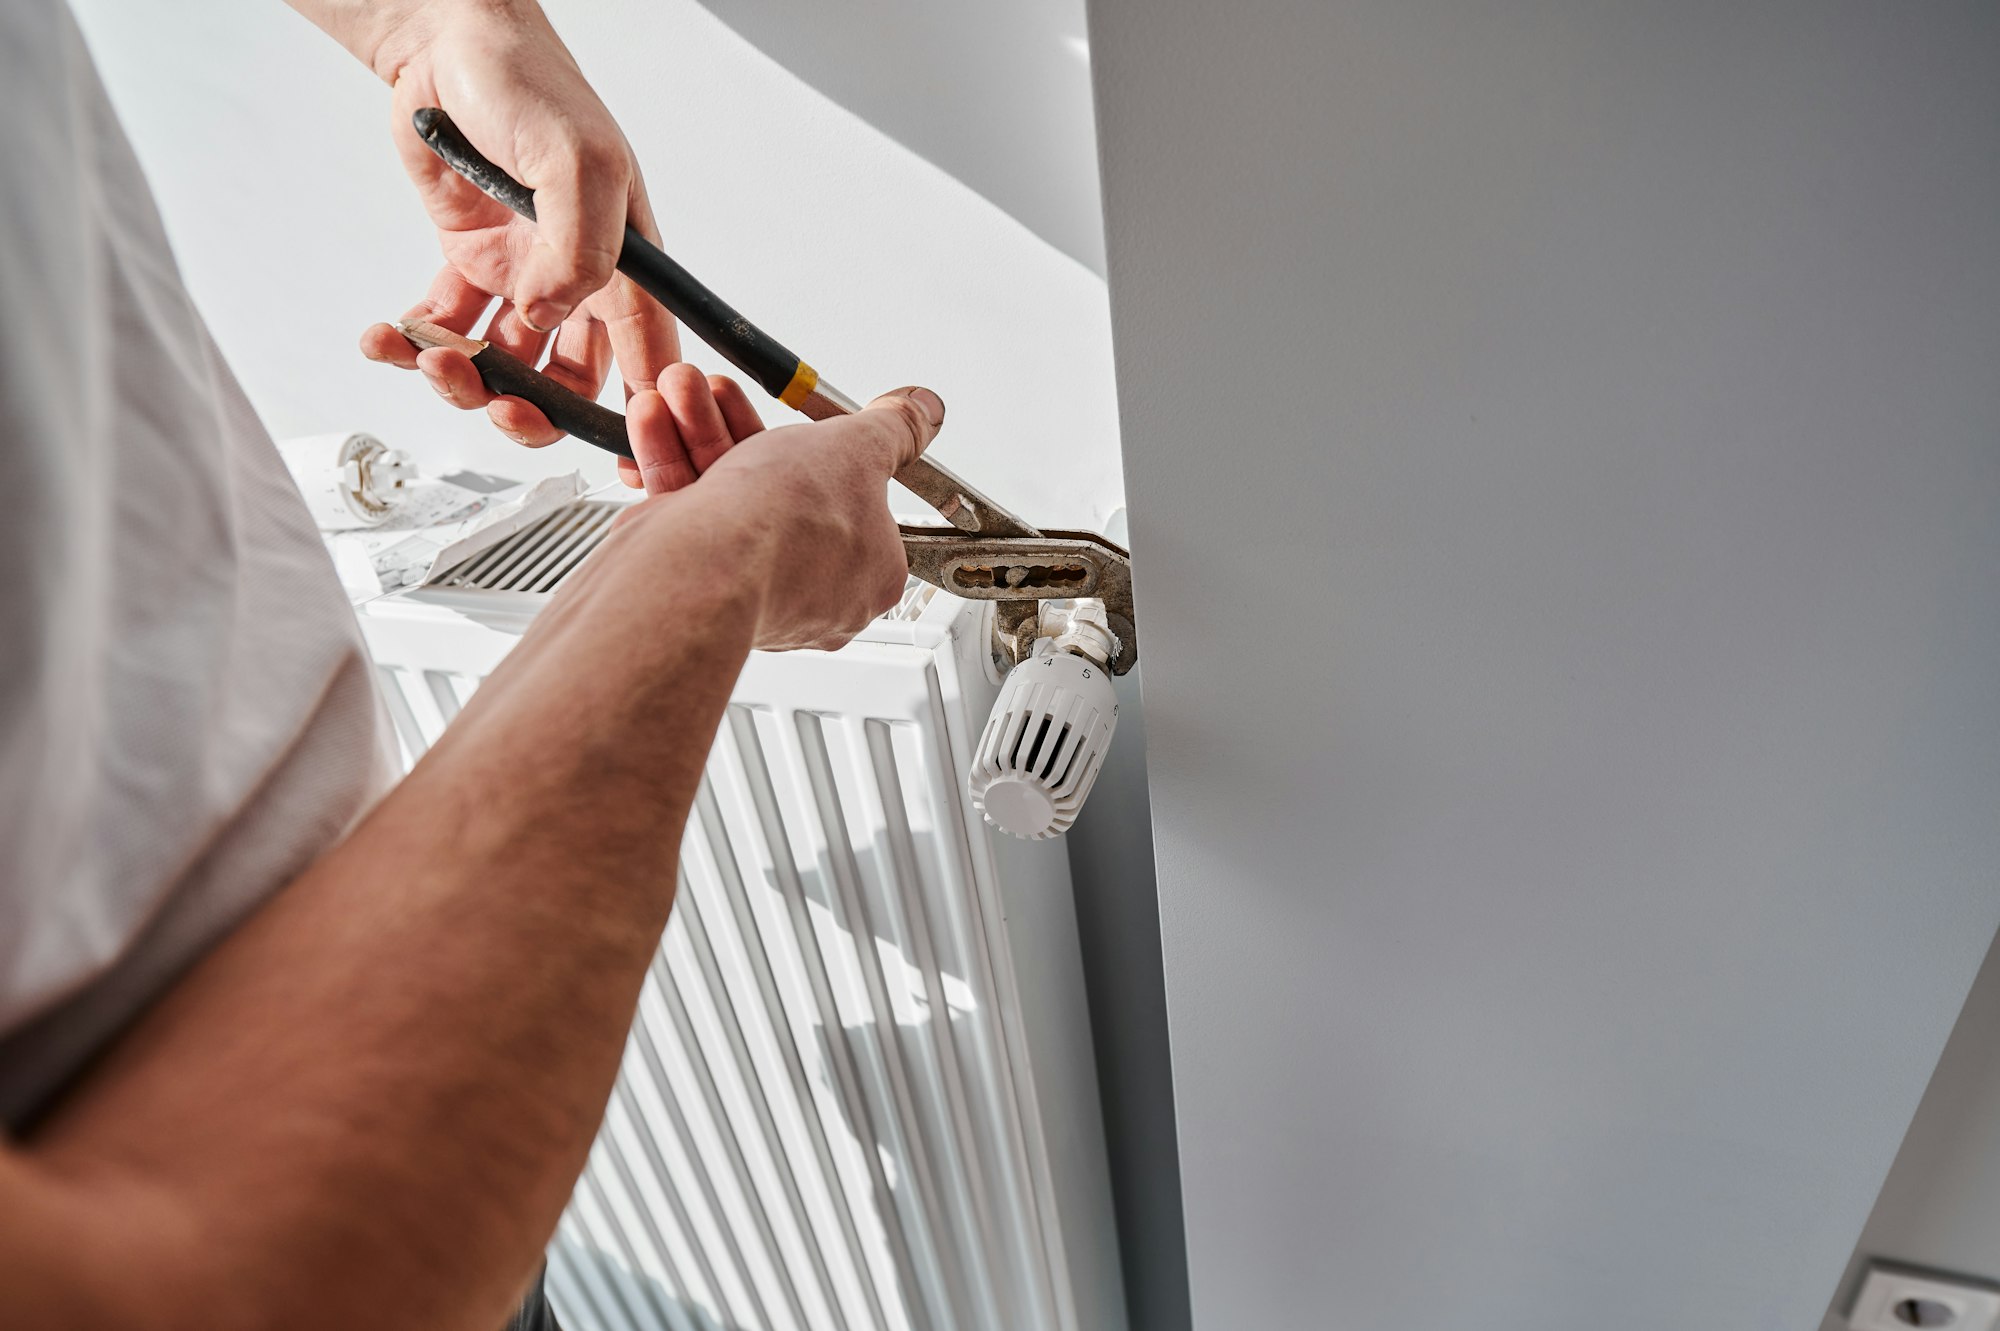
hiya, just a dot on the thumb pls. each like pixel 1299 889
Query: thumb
pixel 905 420
pixel 581 192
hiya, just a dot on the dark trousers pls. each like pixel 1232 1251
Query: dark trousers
pixel 534 1314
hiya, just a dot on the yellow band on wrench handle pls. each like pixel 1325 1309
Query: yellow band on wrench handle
pixel 804 380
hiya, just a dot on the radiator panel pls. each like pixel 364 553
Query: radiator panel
pixel 827 1113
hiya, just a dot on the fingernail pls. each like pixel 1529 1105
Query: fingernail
pixel 442 389
pixel 932 404
pixel 543 316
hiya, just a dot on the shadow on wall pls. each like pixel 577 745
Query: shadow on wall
pixel 998 96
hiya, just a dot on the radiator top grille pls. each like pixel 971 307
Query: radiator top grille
pixel 537 558
pixel 540 555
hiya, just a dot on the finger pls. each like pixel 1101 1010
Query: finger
pixel 628 472
pixel 522 421
pixel 737 410
pixel 508 331
pixel 582 194
pixel 581 356
pixel 703 432
pixel 644 337
pixel 381 342
pixel 579 361
pixel 656 444
pixel 452 302
pixel 454 377
pixel 903 423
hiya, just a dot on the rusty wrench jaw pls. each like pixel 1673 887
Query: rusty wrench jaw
pixel 1019 571
pixel 989 554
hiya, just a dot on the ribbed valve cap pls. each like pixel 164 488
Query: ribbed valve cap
pixel 1043 744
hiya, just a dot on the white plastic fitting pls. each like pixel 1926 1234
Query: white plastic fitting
pixel 1047 736
pixel 348 480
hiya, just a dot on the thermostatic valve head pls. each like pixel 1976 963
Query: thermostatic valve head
pixel 1044 743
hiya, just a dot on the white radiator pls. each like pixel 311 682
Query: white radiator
pixel 859 1091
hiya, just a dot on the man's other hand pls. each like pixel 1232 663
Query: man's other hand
pixel 505 78
pixel 798 515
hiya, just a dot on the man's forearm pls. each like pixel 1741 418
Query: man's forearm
pixel 382 34
pixel 369 1105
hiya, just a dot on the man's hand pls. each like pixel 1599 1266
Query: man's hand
pixel 506 79
pixel 802 509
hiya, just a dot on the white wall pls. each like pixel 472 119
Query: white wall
pixel 1563 446
pixel 996 94
pixel 268 148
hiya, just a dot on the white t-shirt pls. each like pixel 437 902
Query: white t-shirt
pixel 187 713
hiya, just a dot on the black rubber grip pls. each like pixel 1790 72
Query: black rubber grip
pixel 434 127
pixel 567 411
pixel 742 343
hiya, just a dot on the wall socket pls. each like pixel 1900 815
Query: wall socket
pixel 1899 1298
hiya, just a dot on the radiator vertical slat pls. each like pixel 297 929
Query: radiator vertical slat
pixel 748 1084
pixel 462 687
pixel 409 735
pixel 726 1182
pixel 586 1275
pixel 610 1235
pixel 823 1181
pixel 444 696
pixel 416 692
pixel 858 1012
pixel 652 1183
pixel 665 1181
pixel 421 703
pixel 655 1259
pixel 906 879
pixel 964 927
pixel 979 919
pixel 708 1230
pixel 872 915
pixel 562 1287
pixel 773 788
